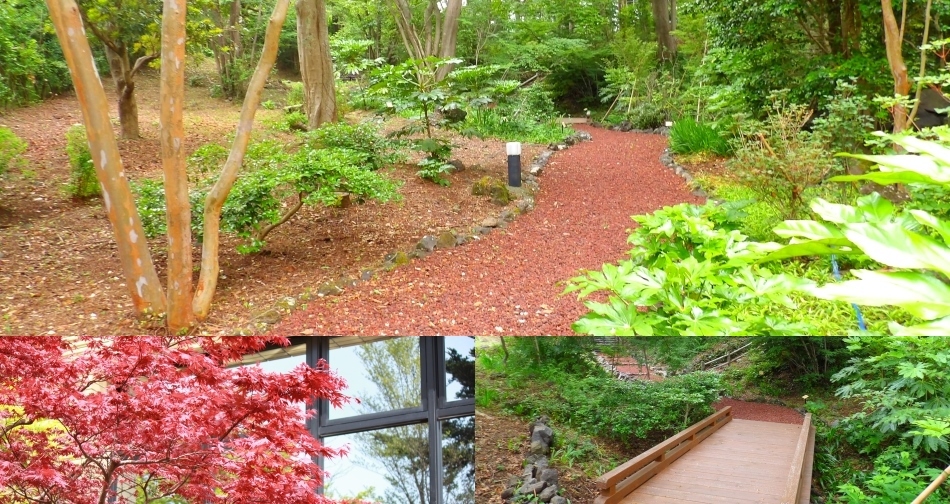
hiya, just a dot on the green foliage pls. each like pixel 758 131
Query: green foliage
pixel 778 160
pixel 904 385
pixel 82 181
pixel 294 93
pixel 205 160
pixel 436 162
pixel 414 86
pixel 897 476
pixel 689 274
pixel 31 62
pixel 364 139
pixel 501 124
pixel 294 121
pixel 11 147
pixel 275 185
pixel 917 263
pixel 690 137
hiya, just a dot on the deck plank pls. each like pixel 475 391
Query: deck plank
pixel 745 462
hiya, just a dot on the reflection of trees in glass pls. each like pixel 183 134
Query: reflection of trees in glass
pixel 458 460
pixel 401 454
pixel 462 370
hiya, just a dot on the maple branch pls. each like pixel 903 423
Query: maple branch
pixel 19 423
pixel 99 35
pixel 141 62
pixel 107 482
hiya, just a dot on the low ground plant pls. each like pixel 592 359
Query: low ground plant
pixel 82 172
pixel 780 161
pixel 690 137
pixel 365 139
pixel 11 148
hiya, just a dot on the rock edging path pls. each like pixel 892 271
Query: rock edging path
pixel 510 281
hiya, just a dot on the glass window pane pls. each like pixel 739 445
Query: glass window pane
pixel 388 466
pixel 458 460
pixel 459 367
pixel 384 375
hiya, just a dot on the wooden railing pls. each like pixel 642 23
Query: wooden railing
pixel 798 486
pixel 618 483
pixel 728 357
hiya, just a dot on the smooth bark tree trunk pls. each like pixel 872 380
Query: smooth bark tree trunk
pixel 316 66
pixel 663 22
pixel 137 267
pixel 436 37
pixel 895 58
pixel 208 279
pixel 178 207
pixel 121 71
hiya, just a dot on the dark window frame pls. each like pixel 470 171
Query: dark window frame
pixel 435 407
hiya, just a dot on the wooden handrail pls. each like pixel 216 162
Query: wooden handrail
pixel 931 488
pixel 728 355
pixel 794 483
pixel 618 483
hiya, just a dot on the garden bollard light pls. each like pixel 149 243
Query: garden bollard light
pixel 514 163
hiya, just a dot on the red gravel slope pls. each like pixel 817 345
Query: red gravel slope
pixel 746 410
pixel 510 281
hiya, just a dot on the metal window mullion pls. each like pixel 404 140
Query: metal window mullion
pixel 433 362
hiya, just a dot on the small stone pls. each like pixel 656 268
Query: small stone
pixel 509 214
pixel 513 481
pixel 490 222
pixel 268 317
pixel 329 289
pixel 345 200
pixel 526 488
pixel 583 136
pixel 508 493
pixel 366 275
pixel 557 499
pixel 537 487
pixel 549 475
pixel 547 494
pixel 446 240
pixel 457 165
pixel 427 243
pixel 461 240
pixel 481 230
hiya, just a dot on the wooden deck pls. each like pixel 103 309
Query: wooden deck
pixel 719 460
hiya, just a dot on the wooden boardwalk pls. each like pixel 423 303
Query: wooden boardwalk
pixel 719 460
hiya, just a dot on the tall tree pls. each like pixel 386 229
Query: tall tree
pixel 125 27
pixel 893 45
pixel 138 268
pixel 316 65
pixel 664 18
pixel 437 33
pixel 164 415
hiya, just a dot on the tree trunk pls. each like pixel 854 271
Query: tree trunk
pixel 208 280
pixel 316 66
pixel 895 58
pixel 178 207
pixel 850 27
pixel 664 29
pixel 121 71
pixel 836 39
pixel 450 32
pixel 137 266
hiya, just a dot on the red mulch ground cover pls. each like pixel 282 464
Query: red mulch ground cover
pixel 510 281
pixel 762 412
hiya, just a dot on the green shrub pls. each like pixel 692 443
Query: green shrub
pixel 779 161
pixel 506 124
pixel 690 273
pixel 436 163
pixel 364 139
pixel 207 159
pixel 150 201
pixel 689 137
pixel 11 147
pixel 294 93
pixel 82 181
pixel 898 476
pixel 294 121
pixel 914 263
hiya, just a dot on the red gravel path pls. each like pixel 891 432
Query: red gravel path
pixel 760 411
pixel 510 281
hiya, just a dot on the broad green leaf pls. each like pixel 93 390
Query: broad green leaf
pixel 932 149
pixel 887 178
pixel 938 327
pixel 920 294
pixel 838 246
pixel 929 220
pixel 876 206
pixel 897 247
pixel 810 229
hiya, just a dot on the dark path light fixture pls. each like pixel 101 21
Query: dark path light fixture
pixel 514 163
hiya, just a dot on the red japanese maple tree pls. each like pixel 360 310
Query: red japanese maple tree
pixel 161 413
